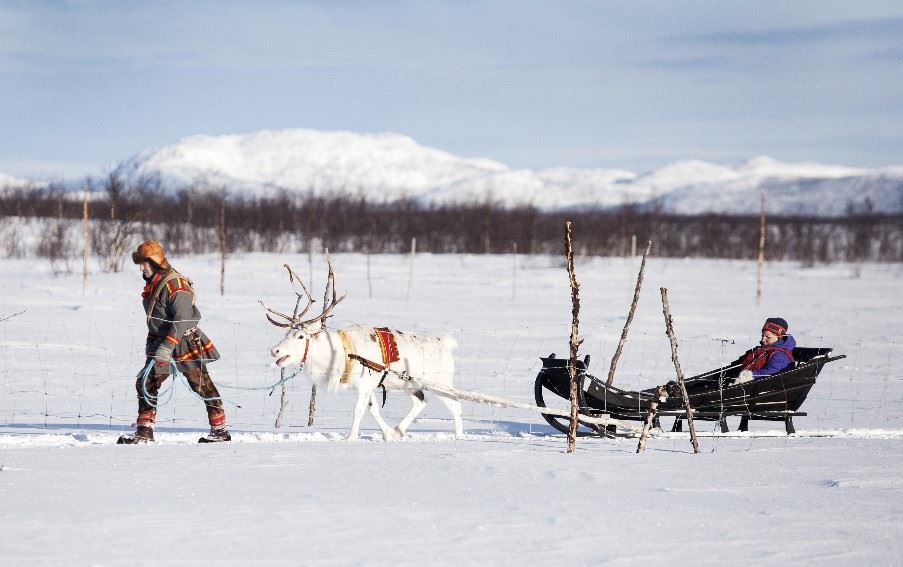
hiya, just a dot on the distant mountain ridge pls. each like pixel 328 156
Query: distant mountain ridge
pixel 389 166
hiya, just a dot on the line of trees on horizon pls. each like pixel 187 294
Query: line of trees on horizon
pixel 123 213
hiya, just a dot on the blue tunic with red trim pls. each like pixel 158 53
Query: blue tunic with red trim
pixel 768 360
pixel 174 318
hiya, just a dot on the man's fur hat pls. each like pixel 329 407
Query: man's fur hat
pixel 152 252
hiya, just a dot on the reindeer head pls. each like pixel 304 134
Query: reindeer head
pixel 293 348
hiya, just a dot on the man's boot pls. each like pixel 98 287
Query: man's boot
pixel 143 434
pixel 217 435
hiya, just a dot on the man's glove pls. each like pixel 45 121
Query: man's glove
pixel 745 376
pixel 162 358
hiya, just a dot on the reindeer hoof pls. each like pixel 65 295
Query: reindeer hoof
pixel 350 438
pixel 393 434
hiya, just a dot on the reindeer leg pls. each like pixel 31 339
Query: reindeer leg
pixel 454 407
pixel 417 405
pixel 388 433
pixel 363 397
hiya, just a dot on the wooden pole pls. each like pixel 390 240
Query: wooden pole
pixel 669 330
pixel 281 400
pixel 650 418
pixel 222 247
pixel 574 342
pixel 310 263
pixel 636 299
pixel 85 243
pixel 761 249
pixel 407 295
pixel 514 274
pixel 312 406
pixel 369 280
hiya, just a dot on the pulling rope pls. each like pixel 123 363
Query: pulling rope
pixel 174 371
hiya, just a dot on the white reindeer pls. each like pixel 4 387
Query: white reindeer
pixel 324 354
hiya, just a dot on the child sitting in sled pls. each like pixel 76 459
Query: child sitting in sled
pixel 774 353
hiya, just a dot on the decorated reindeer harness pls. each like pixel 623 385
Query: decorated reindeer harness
pixel 388 349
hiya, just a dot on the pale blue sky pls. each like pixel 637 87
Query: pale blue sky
pixel 531 84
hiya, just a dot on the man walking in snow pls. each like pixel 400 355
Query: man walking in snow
pixel 173 338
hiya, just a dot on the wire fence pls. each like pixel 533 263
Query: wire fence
pixel 65 380
pixel 69 361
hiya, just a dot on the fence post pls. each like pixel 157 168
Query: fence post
pixel 574 342
pixel 221 233
pixel 85 244
pixel 369 280
pixel 312 406
pixel 514 274
pixel 407 295
pixel 281 400
pixel 761 249
pixel 310 263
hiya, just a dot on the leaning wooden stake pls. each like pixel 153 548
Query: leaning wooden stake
pixel 650 418
pixel 575 343
pixel 761 250
pixel 669 330
pixel 636 299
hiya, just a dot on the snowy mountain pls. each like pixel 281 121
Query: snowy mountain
pixel 387 166
pixel 11 182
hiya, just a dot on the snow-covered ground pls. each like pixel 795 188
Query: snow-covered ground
pixel 508 493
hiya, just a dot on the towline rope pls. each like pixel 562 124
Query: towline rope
pixel 174 371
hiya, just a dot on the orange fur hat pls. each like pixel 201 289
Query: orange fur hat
pixel 150 251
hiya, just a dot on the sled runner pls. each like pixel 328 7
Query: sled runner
pixel 713 396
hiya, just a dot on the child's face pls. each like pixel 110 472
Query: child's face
pixel 768 338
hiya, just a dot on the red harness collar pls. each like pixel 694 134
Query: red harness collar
pixel 306 348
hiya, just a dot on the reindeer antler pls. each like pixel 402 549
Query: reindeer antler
pixel 292 276
pixel 295 318
pixel 280 314
pixel 328 304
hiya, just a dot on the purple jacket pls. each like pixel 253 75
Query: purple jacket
pixel 776 360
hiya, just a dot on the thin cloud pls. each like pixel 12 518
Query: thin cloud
pixel 892 54
pixel 884 28
pixel 703 63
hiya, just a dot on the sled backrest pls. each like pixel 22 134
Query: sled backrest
pixel 804 355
